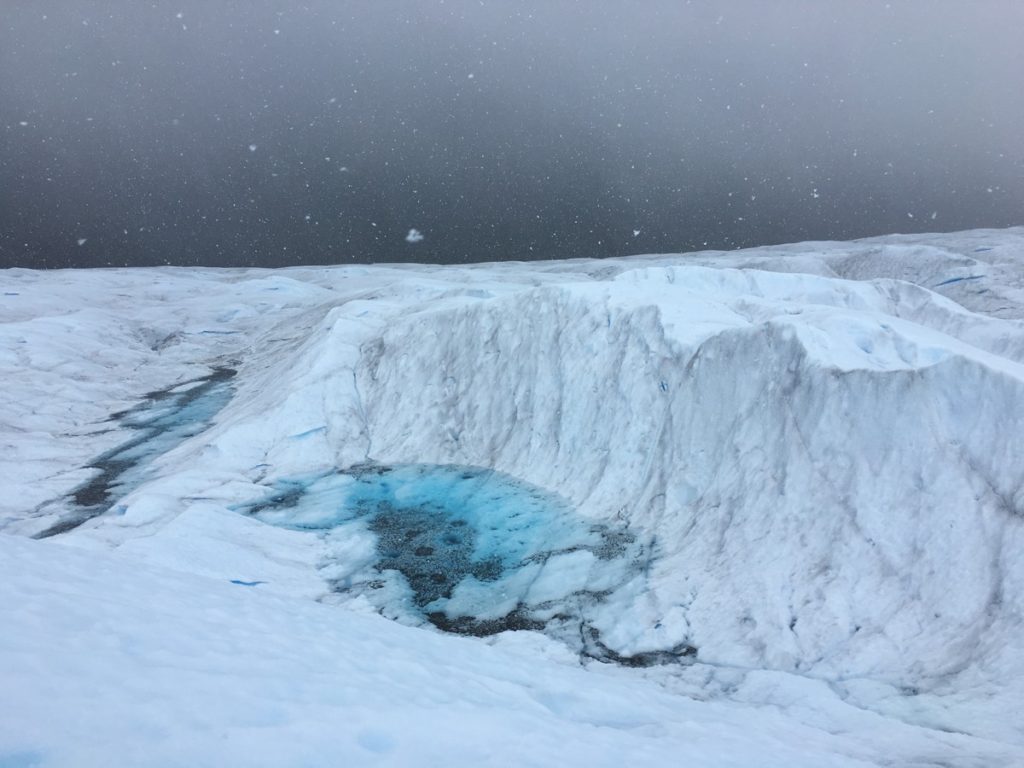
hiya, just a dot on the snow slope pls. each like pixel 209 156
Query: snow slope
pixel 816 446
pixel 116 661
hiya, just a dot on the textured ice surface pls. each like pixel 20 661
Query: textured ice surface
pixel 816 445
pixel 164 420
pixel 468 549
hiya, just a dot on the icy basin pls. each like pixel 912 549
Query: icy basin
pixel 467 549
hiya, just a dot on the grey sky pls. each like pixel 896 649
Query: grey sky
pixel 241 132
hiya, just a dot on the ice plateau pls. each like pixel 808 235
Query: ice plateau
pixel 752 508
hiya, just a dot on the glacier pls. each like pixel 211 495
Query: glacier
pixel 815 450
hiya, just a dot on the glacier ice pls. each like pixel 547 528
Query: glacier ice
pixel 814 447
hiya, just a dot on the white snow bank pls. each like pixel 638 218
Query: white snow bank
pixel 113 661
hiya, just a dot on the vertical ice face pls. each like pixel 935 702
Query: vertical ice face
pixel 777 441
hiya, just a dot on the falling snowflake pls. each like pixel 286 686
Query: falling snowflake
pixel 414 236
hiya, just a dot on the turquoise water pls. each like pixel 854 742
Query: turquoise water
pixel 467 549
pixel 162 421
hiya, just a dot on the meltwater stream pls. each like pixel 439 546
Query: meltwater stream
pixel 467 549
pixel 162 421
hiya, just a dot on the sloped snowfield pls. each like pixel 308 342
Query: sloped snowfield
pixel 754 508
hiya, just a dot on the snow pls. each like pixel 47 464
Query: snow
pixel 115 658
pixel 815 447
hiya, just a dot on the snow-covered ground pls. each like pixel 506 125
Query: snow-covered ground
pixel 816 451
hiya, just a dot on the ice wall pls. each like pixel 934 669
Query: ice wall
pixel 826 487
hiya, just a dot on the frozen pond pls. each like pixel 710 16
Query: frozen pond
pixel 466 549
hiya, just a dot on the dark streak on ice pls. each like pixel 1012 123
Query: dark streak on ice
pixel 958 280
pixel 163 420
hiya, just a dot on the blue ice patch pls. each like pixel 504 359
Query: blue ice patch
pixel 164 420
pixel 24 759
pixel 467 549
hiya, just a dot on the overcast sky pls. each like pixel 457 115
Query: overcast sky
pixel 249 132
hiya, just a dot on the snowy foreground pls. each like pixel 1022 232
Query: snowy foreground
pixel 815 454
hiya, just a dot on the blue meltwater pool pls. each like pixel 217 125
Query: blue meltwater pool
pixel 467 549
